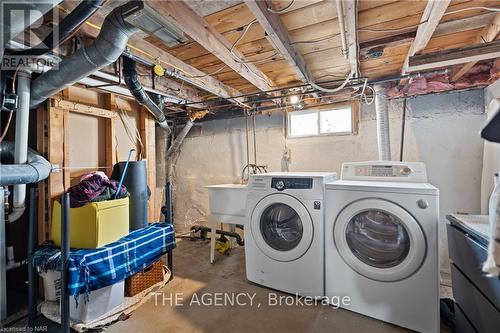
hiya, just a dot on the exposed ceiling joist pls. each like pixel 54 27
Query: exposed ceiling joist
pixel 141 48
pixel 489 34
pixel 433 13
pixel 203 33
pixel 454 56
pixel 351 19
pixel 278 36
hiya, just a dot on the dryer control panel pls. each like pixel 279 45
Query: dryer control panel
pixel 390 171
pixel 282 184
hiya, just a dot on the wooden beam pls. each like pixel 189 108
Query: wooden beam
pixel 433 13
pixel 489 34
pixel 454 56
pixel 351 25
pixel 279 37
pixel 141 48
pixel 202 32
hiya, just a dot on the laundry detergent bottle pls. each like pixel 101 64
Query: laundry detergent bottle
pixel 491 265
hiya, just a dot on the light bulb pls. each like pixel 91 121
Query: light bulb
pixel 294 99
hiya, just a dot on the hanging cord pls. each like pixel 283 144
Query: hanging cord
pixel 133 134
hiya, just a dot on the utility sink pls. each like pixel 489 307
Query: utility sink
pixel 227 199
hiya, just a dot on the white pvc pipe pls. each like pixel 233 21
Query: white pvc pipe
pixel 21 142
pixel 382 112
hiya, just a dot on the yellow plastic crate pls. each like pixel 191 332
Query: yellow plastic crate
pixel 94 225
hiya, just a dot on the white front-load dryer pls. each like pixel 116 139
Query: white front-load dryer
pixel 381 244
pixel 284 244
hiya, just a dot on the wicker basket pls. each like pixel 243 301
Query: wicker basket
pixel 138 282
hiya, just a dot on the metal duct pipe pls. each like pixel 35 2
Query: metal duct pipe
pixel 67 27
pixel 180 138
pixel 136 89
pixel 382 112
pixel 21 141
pixel 36 169
pixel 106 49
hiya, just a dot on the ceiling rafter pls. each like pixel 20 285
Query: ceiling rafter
pixel 204 34
pixel 431 16
pixel 489 34
pixel 143 49
pixel 351 18
pixel 278 36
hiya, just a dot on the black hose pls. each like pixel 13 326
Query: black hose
pixel 137 90
pixel 67 27
pixel 204 230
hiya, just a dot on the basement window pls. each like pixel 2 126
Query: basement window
pixel 330 120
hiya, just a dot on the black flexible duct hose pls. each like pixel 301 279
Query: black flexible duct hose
pixel 136 89
pixel 67 27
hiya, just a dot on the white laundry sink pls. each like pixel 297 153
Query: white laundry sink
pixel 227 199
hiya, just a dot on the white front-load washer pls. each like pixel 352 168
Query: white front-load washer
pixel 284 239
pixel 381 243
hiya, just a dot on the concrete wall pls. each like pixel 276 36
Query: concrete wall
pixel 441 130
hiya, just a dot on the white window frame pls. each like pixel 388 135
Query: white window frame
pixel 354 106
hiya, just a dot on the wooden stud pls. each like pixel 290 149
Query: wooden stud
pixel 489 34
pixel 147 132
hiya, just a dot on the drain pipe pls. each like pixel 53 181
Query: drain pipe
pixel 106 49
pixel 21 142
pixel 34 170
pixel 382 112
pixel 136 89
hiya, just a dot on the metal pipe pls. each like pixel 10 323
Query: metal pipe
pixel 65 247
pixel 180 138
pixel 66 28
pixel 32 243
pixel 36 169
pixel 136 89
pixel 254 141
pixel 3 259
pixel 21 142
pixel 382 112
pixel 106 49
pixel 340 17
pixel 403 125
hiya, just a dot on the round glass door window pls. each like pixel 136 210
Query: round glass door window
pixel 378 238
pixel 281 227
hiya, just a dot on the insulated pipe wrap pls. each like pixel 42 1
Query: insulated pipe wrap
pixel 382 112
pixel 36 169
pixel 106 48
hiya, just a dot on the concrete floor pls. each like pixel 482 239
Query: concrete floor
pixel 194 276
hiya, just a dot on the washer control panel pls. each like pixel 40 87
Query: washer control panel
pixel 282 184
pixel 385 171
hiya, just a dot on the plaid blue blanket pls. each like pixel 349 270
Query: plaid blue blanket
pixel 91 269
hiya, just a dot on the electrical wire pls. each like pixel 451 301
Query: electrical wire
pixel 11 112
pixel 491 9
pixel 393 30
pixel 323 89
pixel 423 22
pixel 279 11
pixel 315 40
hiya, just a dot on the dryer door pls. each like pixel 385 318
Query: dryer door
pixel 282 227
pixel 379 240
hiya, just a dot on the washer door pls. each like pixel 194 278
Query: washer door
pixel 379 240
pixel 282 227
